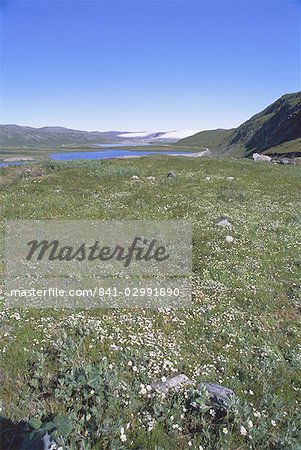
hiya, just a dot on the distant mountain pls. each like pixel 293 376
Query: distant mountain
pixel 275 130
pixel 19 136
pixel 56 137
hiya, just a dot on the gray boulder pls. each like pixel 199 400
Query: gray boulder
pixel 258 157
pixel 171 175
pixel 223 222
pixel 218 395
pixel 177 382
pixel 284 161
pixel 44 444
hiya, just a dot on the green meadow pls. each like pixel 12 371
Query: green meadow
pixel 85 376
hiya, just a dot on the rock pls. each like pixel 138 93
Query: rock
pixel 150 178
pixel 218 395
pixel 33 172
pixel 207 178
pixel 134 177
pixel 230 178
pixel 229 239
pixel 284 161
pixel 176 382
pixel 223 222
pixel 258 157
pixel 43 444
pixel 15 435
pixel 171 175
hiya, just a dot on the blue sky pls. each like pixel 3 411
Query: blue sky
pixel 146 65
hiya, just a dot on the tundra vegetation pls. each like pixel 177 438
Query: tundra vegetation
pixel 85 376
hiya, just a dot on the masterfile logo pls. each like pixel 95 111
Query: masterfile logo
pixel 140 250
pixel 89 256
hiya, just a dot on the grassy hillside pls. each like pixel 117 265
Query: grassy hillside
pixel 89 370
pixel 277 124
pixel 207 139
pixel 286 148
pixel 276 129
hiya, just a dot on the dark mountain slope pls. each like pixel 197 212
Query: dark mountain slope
pixel 275 125
pixel 276 129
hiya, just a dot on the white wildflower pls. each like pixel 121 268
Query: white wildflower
pixel 143 390
pixel 122 435
pixel 243 431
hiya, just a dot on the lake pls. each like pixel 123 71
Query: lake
pixel 112 153
pixel 103 154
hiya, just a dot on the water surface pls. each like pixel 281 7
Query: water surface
pixel 106 154
pixel 102 154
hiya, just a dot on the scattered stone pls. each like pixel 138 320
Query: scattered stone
pixel 16 435
pixel 218 395
pixel 33 172
pixel 171 175
pixel 230 178
pixel 41 444
pixel 258 157
pixel 223 222
pixel 284 161
pixel 150 178
pixel 134 177
pixel 176 382
pixel 229 239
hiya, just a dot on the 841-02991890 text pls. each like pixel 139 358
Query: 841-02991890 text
pixel 114 291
